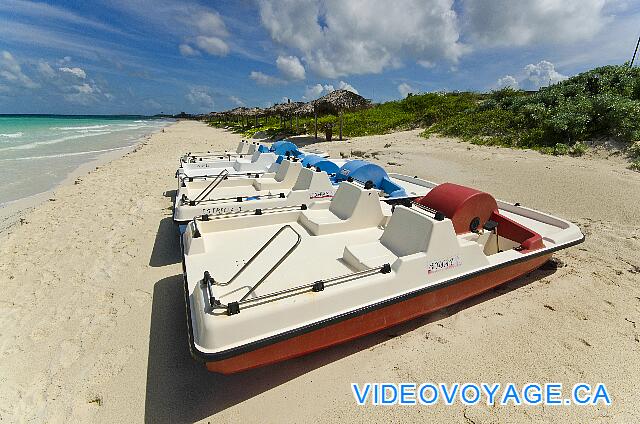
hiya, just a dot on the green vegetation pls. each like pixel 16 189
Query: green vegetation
pixel 601 103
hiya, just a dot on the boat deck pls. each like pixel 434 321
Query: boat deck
pixel 316 257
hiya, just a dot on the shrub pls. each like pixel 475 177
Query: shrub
pixel 578 149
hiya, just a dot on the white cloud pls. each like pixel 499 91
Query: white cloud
pixel 78 72
pixel 337 37
pixel 11 71
pixel 405 89
pixel 236 101
pixel 523 22
pixel 346 86
pixel 291 67
pixel 212 45
pixel 264 79
pixel 45 69
pixel 313 92
pixel 84 94
pixel 533 77
pixel 84 88
pixel 201 97
pixel 52 13
pixel 211 23
pixel 507 81
pixel 427 64
pixel 187 50
pixel 542 74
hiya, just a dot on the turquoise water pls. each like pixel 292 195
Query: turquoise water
pixel 38 152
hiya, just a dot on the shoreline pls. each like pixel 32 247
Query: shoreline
pixel 11 212
pixel 93 315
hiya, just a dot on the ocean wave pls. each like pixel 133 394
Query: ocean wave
pixel 63 155
pixel 35 144
pixel 12 135
pixel 90 127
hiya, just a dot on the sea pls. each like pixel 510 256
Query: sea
pixel 37 152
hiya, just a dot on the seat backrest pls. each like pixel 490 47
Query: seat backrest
pixel 407 232
pixel 253 148
pixel 291 176
pixel 304 179
pixel 255 156
pixel 282 170
pixel 312 180
pixel 240 146
pixel 352 201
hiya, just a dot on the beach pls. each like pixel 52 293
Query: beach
pixel 93 325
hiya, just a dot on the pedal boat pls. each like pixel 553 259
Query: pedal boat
pixel 243 148
pixel 257 163
pixel 295 184
pixel 260 289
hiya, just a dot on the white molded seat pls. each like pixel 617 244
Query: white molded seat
pixel 285 177
pixel 351 208
pixel 407 232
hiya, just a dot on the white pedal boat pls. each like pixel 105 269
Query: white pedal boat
pixel 264 288
pixel 244 148
pixel 291 185
pixel 258 162
pixel 262 159
pixel 295 184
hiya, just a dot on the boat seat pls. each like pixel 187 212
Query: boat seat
pixel 351 208
pixel 368 255
pixel 309 179
pixel 407 233
pixel 285 177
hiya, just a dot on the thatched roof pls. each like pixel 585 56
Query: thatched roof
pixel 334 102
pixel 304 109
pixel 239 111
pixel 253 111
pixel 341 100
pixel 283 108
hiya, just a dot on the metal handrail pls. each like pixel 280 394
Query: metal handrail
pixel 211 155
pixel 264 246
pixel 214 183
pixel 317 286
pixel 255 255
pixel 259 196
pixel 236 174
pixel 335 280
pixel 208 281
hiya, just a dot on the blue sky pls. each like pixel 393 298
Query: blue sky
pixel 151 56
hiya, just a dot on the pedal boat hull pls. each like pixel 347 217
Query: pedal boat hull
pixel 359 323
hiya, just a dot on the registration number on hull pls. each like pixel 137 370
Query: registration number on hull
pixel 443 264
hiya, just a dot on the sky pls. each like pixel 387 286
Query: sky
pixel 152 56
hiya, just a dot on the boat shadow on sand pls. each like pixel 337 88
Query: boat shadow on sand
pixel 165 250
pixel 180 389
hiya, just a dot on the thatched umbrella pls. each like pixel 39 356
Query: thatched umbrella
pixel 238 112
pixel 284 110
pixel 336 102
pixel 253 111
pixel 287 110
pixel 333 103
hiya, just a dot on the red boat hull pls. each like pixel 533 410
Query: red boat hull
pixel 375 320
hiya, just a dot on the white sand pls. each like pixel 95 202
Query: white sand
pixel 93 327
